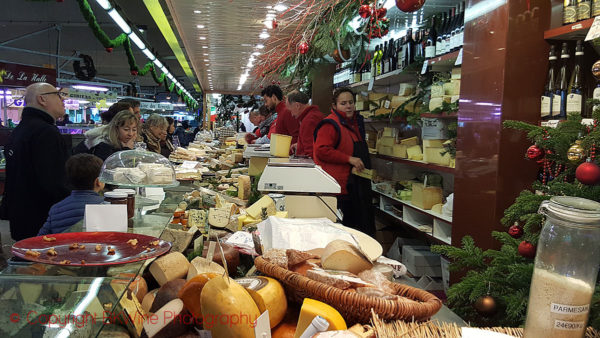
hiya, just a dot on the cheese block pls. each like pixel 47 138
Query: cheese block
pixel 219 217
pixel 166 293
pixel 434 155
pixel 399 150
pixel 179 239
pixel 244 187
pixel 410 141
pixel 201 265
pixel 312 308
pixel 255 210
pixel 435 102
pixel 281 214
pixel 389 132
pixel 414 153
pixel 132 314
pixel 171 266
pixel 385 150
pixel 386 141
pixel 222 297
pixel 437 90
pixel 341 255
pixel 433 143
pixel 148 300
pixel 437 208
pixel 138 285
pixel 425 197
pixel 456 73
pixel 452 87
pixel 197 218
pixel 268 294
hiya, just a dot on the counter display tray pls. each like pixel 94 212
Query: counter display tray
pixel 124 252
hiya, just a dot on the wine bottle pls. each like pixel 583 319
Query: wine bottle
pixel 439 46
pixel 393 56
pixel 576 98
pixel 385 61
pixel 595 7
pixel 569 12
pixel 549 89
pixel 431 40
pixel 378 65
pixel 448 34
pixel 461 31
pixel 559 100
pixel 419 44
pixel 374 62
pixel 400 51
pixel 410 48
pixel 584 8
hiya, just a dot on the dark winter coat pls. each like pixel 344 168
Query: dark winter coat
pixel 69 211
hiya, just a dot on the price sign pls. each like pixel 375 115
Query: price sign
pixel 424 69
pixel 459 58
pixel 594 31
pixel 189 164
pixel 371 82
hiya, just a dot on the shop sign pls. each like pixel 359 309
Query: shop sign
pixel 156 106
pixel 91 96
pixel 15 75
pixel 71 104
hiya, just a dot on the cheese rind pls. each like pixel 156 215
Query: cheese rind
pixel 201 265
pixel 169 267
pixel 312 308
pixel 219 217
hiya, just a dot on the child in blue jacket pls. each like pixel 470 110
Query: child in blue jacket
pixel 82 172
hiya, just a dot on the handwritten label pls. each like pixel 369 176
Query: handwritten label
pixel 569 326
pixel 594 31
pixel 550 123
pixel 569 309
pixel 459 58
pixel 424 69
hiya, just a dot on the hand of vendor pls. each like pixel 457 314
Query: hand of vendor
pixel 250 138
pixel 293 148
pixel 357 163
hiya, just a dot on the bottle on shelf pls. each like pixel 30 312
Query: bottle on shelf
pixel 559 99
pixel 401 51
pixel 576 97
pixel 569 12
pixel 419 52
pixel 449 28
pixel 546 108
pixel 584 9
pixel 595 8
pixel 393 55
pixel 385 62
pixel 454 43
pixel 409 57
pixel 461 31
pixel 431 40
pixel 439 43
pixel 374 62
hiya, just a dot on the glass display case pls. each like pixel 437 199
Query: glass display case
pixel 138 168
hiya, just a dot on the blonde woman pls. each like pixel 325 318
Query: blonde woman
pixel 154 132
pixel 119 134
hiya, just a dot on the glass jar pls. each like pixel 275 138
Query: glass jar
pixel 130 201
pixel 115 197
pixel 565 270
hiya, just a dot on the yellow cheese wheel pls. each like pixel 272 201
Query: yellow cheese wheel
pixel 312 308
pixel 268 294
pixel 191 291
pixel 228 309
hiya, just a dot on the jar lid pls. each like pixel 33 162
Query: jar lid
pixel 115 194
pixel 127 191
pixel 579 211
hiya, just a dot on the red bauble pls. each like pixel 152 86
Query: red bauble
pixel 303 48
pixel 527 249
pixel 381 12
pixel 134 72
pixel 515 231
pixel 588 173
pixel 409 5
pixel 534 153
pixel 364 11
pixel 273 82
pixel 109 49
pixel 278 83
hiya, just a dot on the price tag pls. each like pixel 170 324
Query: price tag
pixel 189 164
pixel 199 244
pixel 371 82
pixel 550 123
pixel 587 122
pixel 594 31
pixel 262 326
pixel 424 69
pixel 459 58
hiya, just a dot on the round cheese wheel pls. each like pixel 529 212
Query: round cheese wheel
pixel 232 256
pixel 167 293
pixel 138 286
pixel 149 299
pixel 268 294
pixel 190 293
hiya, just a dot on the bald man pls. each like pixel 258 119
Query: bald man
pixel 35 162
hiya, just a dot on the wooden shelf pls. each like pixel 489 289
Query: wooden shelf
pixel 420 164
pixel 575 31
pixel 423 211
pixel 444 61
pixel 413 227
pixel 443 115
pixel 387 120
pixel 392 78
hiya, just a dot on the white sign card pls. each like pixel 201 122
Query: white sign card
pixel 594 31
pixel 424 69
pixel 371 82
pixel 459 58
pixel 262 326
pixel 105 217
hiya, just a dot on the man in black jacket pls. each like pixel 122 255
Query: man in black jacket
pixel 35 162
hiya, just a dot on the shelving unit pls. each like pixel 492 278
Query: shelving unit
pixel 408 204
pixel 421 164
pixel 441 116
pixel 575 31
pixel 444 61
pixel 389 79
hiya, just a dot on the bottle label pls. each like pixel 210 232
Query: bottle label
pixel 596 96
pixel 569 14
pixel 569 326
pixel 430 51
pixel 546 103
pixel 556 103
pixel 595 7
pixel 569 309
pixel 583 10
pixel 574 103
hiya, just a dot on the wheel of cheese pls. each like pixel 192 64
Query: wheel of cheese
pixel 201 265
pixel 268 294
pixel 149 299
pixel 232 256
pixel 190 293
pixel 169 267
pixel 167 293
pixel 138 286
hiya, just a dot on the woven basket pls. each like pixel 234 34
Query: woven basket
pixel 354 307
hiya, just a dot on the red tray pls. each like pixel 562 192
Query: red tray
pixel 124 252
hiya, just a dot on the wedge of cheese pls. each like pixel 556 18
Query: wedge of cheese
pixel 312 308
pixel 342 255
pixel 255 210
pixel 415 153
pixel 219 217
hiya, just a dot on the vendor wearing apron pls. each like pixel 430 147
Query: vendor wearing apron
pixel 340 146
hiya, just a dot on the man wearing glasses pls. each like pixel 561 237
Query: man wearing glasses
pixel 35 162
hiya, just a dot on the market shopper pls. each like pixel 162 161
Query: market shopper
pixel 154 130
pixel 170 129
pixel 35 162
pixel 286 124
pixel 339 148
pixel 120 134
pixel 308 117
pixel 135 106
pixel 265 128
pixel 181 133
pixel 82 174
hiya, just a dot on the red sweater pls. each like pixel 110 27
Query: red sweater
pixel 286 124
pixel 310 117
pixel 335 161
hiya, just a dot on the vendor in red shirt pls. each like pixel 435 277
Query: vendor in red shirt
pixel 286 124
pixel 339 148
pixel 308 117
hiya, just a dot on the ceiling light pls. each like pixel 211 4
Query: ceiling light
pixel 164 69
pixel 200 26
pixel 170 76
pixel 158 63
pixel 90 88
pixel 268 7
pixel 270 16
pixel 119 21
pixel 136 39
pixel 104 4
pixel 149 54
pixel 206 60
pixel 259 46
pixel 203 38
pixel 280 7
pixel 264 35
pixel 196 11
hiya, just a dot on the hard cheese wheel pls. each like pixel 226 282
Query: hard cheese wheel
pixel 169 267
pixel 341 255
pixel 149 299
pixel 190 293
pixel 232 256
pixel 228 301
pixel 268 294
pixel 312 308
pixel 138 286
pixel 167 293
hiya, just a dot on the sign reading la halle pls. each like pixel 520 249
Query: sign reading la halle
pixel 15 75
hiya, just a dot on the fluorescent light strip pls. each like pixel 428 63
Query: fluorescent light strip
pixel 149 54
pixel 104 4
pixel 119 21
pixel 90 88
pixel 158 63
pixel 136 39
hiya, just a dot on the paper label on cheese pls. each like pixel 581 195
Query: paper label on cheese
pixel 255 283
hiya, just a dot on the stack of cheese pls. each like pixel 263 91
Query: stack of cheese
pixel 387 140
pixel 408 148
pixel 432 152
pixel 254 213
pixel 445 92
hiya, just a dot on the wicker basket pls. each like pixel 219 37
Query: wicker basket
pixel 354 307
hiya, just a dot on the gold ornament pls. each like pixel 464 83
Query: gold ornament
pixel 486 306
pixel 576 152
pixel 596 70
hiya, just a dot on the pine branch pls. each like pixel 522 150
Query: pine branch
pixel 468 256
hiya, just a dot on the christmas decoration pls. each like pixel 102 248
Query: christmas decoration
pixel 486 306
pixel 526 249
pixel 303 48
pixel 364 11
pixel 274 23
pixel 381 12
pixel 596 70
pixel 515 231
pixel 535 153
pixel 588 173
pixel 109 49
pixel 88 71
pixel 575 152
pixel 336 55
pixel 134 72
pixel 409 6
